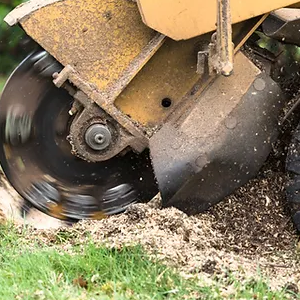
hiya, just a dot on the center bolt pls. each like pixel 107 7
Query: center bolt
pixel 98 137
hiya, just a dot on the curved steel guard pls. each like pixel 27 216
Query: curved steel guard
pixel 222 143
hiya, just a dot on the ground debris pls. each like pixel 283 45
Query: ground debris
pixel 255 218
pixel 249 231
pixel 196 245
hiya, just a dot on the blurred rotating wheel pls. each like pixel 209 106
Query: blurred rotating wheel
pixel 36 156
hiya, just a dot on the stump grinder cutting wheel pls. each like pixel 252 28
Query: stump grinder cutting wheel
pixel 122 99
pixel 36 155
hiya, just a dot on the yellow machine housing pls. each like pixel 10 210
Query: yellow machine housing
pixel 189 18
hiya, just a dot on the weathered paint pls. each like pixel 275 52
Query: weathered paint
pixel 189 18
pixel 171 73
pixel 100 39
pixel 103 41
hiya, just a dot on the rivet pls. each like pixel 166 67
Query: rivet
pixel 259 84
pixel 230 122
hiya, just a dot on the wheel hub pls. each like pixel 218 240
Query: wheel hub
pixel 98 137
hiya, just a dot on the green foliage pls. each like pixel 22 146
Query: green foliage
pixel 2 83
pixel 10 39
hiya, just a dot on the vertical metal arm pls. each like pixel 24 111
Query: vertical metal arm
pixel 224 37
pixel 220 52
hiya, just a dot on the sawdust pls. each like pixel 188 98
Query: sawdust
pixel 255 219
pixel 250 230
pixel 195 244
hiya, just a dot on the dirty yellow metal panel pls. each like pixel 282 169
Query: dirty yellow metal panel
pixel 170 74
pixel 189 18
pixel 161 85
pixel 100 39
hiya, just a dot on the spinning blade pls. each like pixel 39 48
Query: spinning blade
pixel 36 156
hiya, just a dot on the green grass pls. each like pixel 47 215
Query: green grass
pixel 36 271
pixel 2 83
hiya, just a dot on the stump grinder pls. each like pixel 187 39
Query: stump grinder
pixel 120 100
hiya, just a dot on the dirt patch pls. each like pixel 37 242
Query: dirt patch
pixel 195 245
pixel 255 219
pixel 249 231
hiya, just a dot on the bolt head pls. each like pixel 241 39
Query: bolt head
pixel 98 137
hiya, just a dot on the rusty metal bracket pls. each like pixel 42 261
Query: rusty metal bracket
pixel 93 96
pixel 92 114
pixel 219 55
pixel 128 133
